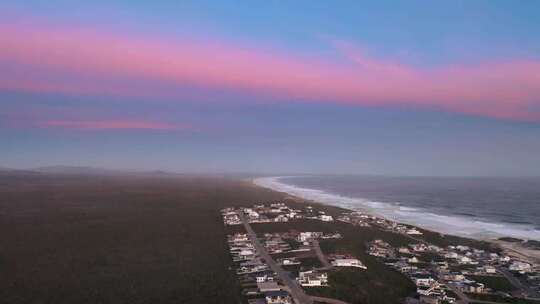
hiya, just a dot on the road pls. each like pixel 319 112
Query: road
pixel 463 299
pixel 320 254
pixel 517 283
pixel 297 293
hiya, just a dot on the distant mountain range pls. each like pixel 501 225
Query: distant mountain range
pixel 86 170
pixel 83 170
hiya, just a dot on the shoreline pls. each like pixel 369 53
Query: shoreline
pixel 513 249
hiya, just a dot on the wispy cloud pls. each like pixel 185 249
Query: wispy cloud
pixel 112 125
pixel 88 62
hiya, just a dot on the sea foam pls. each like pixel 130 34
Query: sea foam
pixel 447 224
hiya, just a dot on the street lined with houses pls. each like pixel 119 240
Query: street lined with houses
pixel 286 265
pixel 296 291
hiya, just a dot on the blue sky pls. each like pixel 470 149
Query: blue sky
pixel 234 114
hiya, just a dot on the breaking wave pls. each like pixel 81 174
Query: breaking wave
pixel 465 225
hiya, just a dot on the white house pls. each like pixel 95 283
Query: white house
pixel 520 267
pixel 312 278
pixel 348 263
pixel 326 218
pixel 413 231
pixel 306 236
pixel 277 297
pixel 423 280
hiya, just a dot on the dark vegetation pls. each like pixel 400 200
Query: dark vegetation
pixel 310 263
pixel 90 239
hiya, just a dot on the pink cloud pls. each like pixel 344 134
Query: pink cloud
pixel 506 90
pixel 112 125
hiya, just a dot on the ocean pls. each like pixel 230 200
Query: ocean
pixel 475 207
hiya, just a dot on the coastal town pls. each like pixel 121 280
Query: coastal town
pixel 292 266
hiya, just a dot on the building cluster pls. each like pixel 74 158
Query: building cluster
pixel 259 282
pixel 271 213
pixel 361 219
pixel 439 272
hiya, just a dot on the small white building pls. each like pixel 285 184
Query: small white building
pixel 277 297
pixel 413 260
pixel 307 236
pixel 348 263
pixel 312 278
pixel 520 267
pixel 490 269
pixel 326 218
pixel 414 231
pixel 423 280
pixel 464 260
pixel 246 252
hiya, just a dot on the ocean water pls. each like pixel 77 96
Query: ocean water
pixel 476 207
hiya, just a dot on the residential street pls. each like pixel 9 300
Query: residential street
pixel 320 254
pixel 296 291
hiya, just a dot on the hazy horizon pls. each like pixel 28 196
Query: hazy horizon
pixel 254 174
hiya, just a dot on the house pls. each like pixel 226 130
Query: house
pixel 288 261
pixel 454 276
pixel 473 287
pixel 464 260
pixel 414 231
pixel 326 218
pixel 306 236
pixel 246 252
pixel 462 248
pixel 277 297
pixel 264 276
pixel 348 263
pixel 490 269
pixel 413 260
pixel 521 267
pixel 504 259
pixel 418 247
pixel 312 278
pixel 420 279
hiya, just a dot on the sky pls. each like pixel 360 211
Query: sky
pixel 355 87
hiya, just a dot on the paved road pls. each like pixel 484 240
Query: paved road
pixel 517 283
pixel 296 291
pixel 320 254
pixel 463 299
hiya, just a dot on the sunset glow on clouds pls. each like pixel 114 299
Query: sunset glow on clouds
pixel 113 125
pixel 86 61
pixel 405 87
